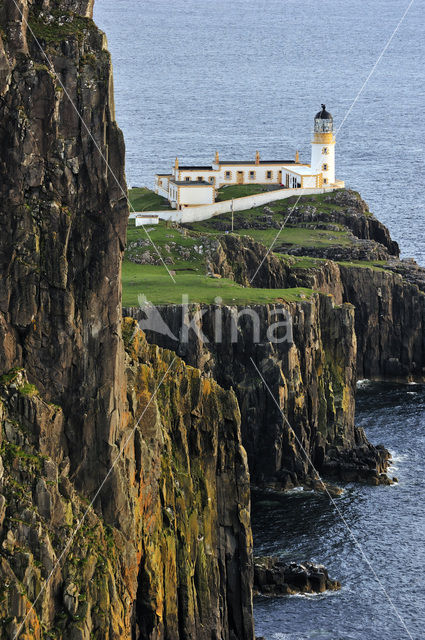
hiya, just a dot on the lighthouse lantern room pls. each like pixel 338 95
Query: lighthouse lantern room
pixel 193 186
pixel 323 147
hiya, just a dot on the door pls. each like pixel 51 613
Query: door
pixel 287 181
pixel 239 178
pixel 280 177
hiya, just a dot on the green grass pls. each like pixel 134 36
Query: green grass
pixel 188 263
pixel 155 283
pixel 298 236
pixel 280 209
pixel 55 32
pixel 374 265
pixel 190 271
pixel 163 237
pixel 240 190
pixel 143 199
pixel 28 389
pixel 288 236
pixel 10 376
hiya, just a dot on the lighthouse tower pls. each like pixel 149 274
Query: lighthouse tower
pixel 323 146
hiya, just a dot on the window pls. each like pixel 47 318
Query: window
pixel 269 175
pixel 211 179
pixel 187 178
pixel 228 175
pixel 325 181
pixel 252 175
pixel 324 167
pixel 325 151
pixel 200 178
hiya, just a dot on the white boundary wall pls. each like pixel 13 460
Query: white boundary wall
pixel 197 214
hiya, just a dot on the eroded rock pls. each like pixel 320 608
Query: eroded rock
pixel 273 577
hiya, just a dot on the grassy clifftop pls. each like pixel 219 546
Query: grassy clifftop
pixel 335 226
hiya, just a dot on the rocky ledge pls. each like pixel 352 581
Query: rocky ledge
pixel 274 577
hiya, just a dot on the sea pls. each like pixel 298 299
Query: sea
pixel 192 77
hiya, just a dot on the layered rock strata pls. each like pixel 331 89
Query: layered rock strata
pixel 387 294
pixel 164 552
pixel 298 415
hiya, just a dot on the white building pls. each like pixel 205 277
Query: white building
pixel 146 219
pixel 194 186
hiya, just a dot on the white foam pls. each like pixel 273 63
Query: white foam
pixel 364 382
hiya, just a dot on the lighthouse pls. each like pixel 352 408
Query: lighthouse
pixel 323 147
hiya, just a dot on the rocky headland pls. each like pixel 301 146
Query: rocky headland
pixel 355 319
pixel 126 459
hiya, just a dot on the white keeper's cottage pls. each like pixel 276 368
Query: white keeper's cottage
pixel 194 186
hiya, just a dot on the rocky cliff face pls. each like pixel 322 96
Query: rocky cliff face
pixel 165 551
pixel 63 215
pixel 387 293
pixel 195 574
pixel 312 377
pixel 389 303
pixel 181 567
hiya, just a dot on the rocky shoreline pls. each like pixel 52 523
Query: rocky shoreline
pixel 172 431
pixel 274 577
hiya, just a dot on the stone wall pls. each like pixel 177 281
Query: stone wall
pixel 197 214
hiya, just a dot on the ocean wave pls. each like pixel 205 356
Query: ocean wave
pixel 364 383
pixel 318 634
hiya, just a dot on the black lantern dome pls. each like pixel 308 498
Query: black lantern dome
pixel 323 121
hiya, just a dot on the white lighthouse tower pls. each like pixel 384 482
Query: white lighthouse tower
pixel 323 147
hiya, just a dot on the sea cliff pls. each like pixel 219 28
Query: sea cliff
pixel 125 458
pixel 298 415
pixel 124 488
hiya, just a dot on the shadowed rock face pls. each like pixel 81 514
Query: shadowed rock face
pixel 388 298
pixel 166 554
pixel 389 307
pixel 307 418
pixel 63 216
pixel 273 577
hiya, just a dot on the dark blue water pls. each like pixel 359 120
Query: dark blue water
pixel 192 77
pixel 239 75
pixel 388 523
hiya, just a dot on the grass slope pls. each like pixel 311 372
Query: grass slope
pixel 231 191
pixel 143 199
pixel 155 283
pixel 184 255
pixel 183 250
